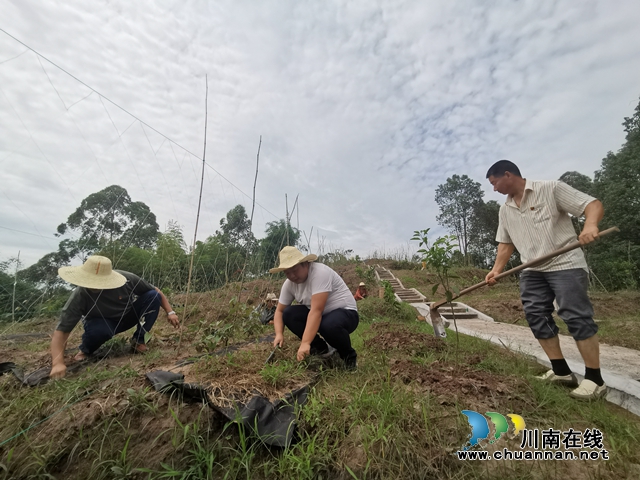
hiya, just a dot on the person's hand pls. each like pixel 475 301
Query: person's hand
pixel 59 370
pixel 279 340
pixel 489 278
pixel 173 319
pixel 589 234
pixel 303 351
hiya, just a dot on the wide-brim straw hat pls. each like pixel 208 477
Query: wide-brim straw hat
pixel 96 272
pixel 290 257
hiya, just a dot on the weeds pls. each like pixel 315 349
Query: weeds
pixel 277 374
pixel 141 401
pixel 367 274
pixel 380 422
pixel 389 296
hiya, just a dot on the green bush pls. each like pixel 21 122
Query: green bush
pixel 615 274
pixel 376 309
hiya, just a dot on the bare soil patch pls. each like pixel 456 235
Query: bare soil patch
pixel 476 389
pixel 394 338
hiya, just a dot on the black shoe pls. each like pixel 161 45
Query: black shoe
pixel 319 351
pixel 350 363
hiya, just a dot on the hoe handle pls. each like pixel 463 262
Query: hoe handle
pixel 530 263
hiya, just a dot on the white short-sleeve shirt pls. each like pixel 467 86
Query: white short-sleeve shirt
pixel 541 224
pixel 321 279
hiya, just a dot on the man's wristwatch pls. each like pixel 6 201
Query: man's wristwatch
pixel 171 313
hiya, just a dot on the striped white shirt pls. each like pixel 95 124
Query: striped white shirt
pixel 541 224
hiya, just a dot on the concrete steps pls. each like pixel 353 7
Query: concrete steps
pixel 621 366
pixel 457 310
pixel 408 295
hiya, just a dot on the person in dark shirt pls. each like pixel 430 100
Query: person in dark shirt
pixel 267 309
pixel 109 302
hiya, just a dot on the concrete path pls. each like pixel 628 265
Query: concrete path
pixel 620 366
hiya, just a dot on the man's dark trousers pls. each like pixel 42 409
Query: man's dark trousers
pixel 98 330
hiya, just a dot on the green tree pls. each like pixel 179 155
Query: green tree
pixel 458 200
pixel 170 263
pixel 235 235
pixel 617 183
pixel 275 240
pixel 235 228
pixel 578 181
pixel 209 265
pixel 18 298
pixel 616 262
pixel 132 259
pixel 44 273
pixel 482 233
pixel 109 217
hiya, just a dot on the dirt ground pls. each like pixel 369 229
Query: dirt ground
pixel 236 371
pixel 463 383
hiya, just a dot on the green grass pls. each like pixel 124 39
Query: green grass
pixel 617 313
pixel 377 423
pixel 278 373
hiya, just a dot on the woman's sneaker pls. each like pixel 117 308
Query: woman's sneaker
pixel 567 380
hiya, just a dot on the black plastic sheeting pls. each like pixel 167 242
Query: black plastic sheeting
pixel 273 423
pixel 39 376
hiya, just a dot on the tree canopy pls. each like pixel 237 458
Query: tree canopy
pixel 617 182
pixel 108 217
pixel 275 240
pixel 458 199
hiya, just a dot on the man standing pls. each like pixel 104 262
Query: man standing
pixel 535 221
pixel 109 301
pixel 326 307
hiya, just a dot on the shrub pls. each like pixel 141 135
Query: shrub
pixel 376 309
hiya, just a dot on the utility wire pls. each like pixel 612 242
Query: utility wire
pixel 126 111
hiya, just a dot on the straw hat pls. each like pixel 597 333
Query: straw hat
pixel 271 296
pixel 362 284
pixel 96 273
pixel 290 257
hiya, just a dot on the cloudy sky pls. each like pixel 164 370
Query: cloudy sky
pixel 364 107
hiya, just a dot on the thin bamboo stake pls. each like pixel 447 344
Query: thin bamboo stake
pixel 15 283
pixel 195 233
pixel 253 206
pixel 286 203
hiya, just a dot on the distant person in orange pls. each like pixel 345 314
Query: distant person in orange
pixel 361 292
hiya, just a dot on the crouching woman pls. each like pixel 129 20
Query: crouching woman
pixel 326 313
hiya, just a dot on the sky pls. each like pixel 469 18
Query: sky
pixel 363 107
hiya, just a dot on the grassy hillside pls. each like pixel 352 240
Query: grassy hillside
pixel 399 416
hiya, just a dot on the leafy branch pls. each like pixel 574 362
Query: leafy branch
pixel 439 256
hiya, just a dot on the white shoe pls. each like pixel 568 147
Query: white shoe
pixel 589 390
pixel 568 380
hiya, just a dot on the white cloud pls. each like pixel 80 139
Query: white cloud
pixel 363 109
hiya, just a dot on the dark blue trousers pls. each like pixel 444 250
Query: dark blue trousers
pixel 98 330
pixel 335 328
